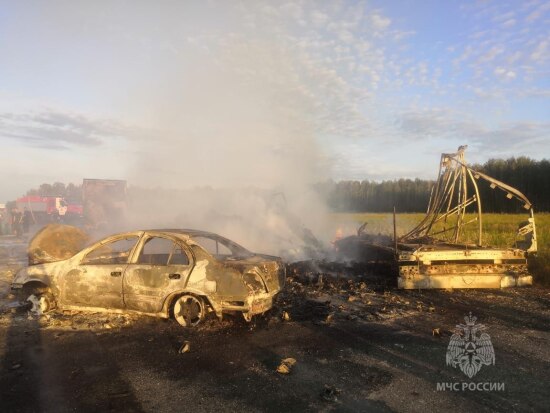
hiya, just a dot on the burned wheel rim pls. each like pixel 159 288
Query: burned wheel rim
pixel 188 310
pixel 41 303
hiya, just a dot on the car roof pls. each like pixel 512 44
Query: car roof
pixel 185 234
pixel 192 233
pixel 189 232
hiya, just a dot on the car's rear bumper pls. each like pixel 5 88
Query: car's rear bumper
pixel 251 305
pixel 260 304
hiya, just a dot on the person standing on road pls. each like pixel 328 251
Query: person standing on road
pixel 26 220
pixel 16 221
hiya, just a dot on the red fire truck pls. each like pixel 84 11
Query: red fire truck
pixel 48 208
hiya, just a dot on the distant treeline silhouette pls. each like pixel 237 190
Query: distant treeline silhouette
pixel 530 177
pixel 527 175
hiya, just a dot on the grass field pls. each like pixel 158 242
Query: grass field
pixel 499 230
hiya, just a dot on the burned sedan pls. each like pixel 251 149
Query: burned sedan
pixel 184 273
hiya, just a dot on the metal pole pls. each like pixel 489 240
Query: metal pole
pixel 394 232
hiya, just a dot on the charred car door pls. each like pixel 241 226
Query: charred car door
pixel 161 267
pixel 97 280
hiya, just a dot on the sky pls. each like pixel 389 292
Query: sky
pixel 266 93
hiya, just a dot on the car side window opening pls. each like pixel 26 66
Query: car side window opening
pixel 178 257
pixel 114 252
pixel 162 251
pixel 221 248
pixel 213 246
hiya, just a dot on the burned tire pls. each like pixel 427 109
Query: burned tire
pixel 189 310
pixel 42 303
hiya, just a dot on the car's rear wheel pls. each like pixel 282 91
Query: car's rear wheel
pixel 42 302
pixel 189 310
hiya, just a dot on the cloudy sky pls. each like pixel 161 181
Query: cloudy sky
pixel 184 93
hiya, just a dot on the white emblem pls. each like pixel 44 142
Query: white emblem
pixel 468 350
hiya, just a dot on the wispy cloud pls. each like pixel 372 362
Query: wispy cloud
pixel 538 12
pixel 58 130
pixel 518 137
pixel 502 37
pixel 290 74
pixel 331 65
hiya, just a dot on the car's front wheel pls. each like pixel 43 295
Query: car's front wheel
pixel 189 310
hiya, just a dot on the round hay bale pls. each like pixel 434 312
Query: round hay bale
pixel 56 242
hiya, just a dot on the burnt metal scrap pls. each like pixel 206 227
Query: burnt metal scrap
pixel 450 198
pixel 436 254
pixel 179 273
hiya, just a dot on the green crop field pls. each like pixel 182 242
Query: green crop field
pixel 499 230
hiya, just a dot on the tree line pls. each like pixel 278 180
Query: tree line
pixel 529 176
pixel 70 192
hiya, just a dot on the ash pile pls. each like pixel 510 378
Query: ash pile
pixel 326 292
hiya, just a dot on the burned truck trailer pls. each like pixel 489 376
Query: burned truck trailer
pixel 436 253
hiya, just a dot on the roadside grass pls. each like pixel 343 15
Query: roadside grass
pixel 499 230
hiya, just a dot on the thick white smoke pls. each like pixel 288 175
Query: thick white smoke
pixel 232 112
pixel 231 95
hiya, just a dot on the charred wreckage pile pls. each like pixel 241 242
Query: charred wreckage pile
pixel 435 253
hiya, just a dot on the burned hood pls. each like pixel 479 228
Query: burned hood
pixel 55 242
